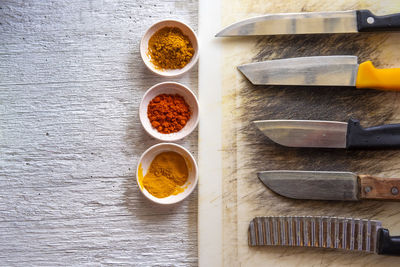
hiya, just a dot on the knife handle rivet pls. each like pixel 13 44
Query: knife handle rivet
pixel 367 189
pixel 370 20
pixel 395 190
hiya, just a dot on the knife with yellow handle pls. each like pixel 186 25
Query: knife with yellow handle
pixel 322 71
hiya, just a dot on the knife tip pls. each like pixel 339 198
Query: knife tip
pixel 240 68
pixel 263 176
pixel 226 32
pixel 222 32
pixel 257 124
pixel 244 70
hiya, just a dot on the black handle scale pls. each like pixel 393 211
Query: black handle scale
pixel 368 22
pixel 388 245
pixel 384 136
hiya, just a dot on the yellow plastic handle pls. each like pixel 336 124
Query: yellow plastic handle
pixel 383 79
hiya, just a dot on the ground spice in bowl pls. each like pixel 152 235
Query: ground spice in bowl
pixel 168 113
pixel 169 48
pixel 167 174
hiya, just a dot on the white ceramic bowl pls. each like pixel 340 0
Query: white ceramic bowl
pixel 169 88
pixel 148 156
pixel 144 47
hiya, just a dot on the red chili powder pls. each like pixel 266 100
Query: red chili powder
pixel 168 113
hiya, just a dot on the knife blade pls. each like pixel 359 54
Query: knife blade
pixel 330 134
pixel 351 21
pixel 321 71
pixel 323 232
pixel 326 185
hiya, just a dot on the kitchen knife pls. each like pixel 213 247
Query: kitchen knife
pixel 325 185
pixel 352 21
pixel 330 134
pixel 323 232
pixel 322 70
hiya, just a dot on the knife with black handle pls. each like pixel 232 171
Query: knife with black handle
pixel 352 21
pixel 323 232
pixel 330 134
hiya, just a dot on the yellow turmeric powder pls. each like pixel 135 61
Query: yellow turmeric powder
pixel 169 48
pixel 166 176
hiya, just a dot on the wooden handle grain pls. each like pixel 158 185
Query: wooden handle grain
pixel 379 188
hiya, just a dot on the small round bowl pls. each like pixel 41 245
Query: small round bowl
pixel 169 88
pixel 144 47
pixel 144 164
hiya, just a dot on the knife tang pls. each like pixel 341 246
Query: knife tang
pixel 368 22
pixel 383 136
pixel 379 188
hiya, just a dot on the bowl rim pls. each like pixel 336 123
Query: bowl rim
pixel 195 167
pixel 184 69
pixel 173 84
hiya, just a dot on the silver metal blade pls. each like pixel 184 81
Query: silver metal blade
pixel 315 231
pixel 305 133
pixel 323 70
pixel 312 184
pixel 294 23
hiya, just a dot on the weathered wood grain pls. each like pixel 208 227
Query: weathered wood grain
pixel 71 80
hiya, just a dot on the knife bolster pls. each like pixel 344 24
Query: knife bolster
pixel 379 188
pixel 368 22
pixel 387 245
pixel 383 136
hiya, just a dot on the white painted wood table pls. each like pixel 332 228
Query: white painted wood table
pixel 71 80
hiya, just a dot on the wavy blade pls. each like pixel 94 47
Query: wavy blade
pixel 321 70
pixel 315 231
pixel 315 185
pixel 305 133
pixel 294 23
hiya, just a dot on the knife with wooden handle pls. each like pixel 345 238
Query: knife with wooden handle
pixel 322 71
pixel 323 232
pixel 325 185
pixel 330 134
pixel 352 21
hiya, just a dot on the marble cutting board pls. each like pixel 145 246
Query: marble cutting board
pixel 232 150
